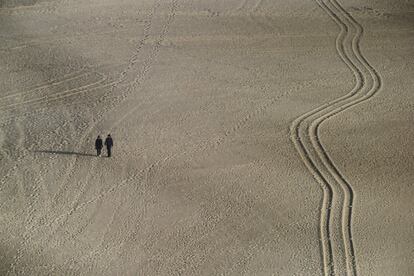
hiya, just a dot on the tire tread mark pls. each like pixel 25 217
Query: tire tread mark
pixel 315 127
pixel 47 84
pixel 358 65
pixel 58 95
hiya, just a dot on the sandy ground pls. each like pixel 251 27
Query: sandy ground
pixel 251 137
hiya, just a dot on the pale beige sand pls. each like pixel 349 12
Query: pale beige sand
pixel 244 131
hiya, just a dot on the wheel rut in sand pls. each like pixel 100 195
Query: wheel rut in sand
pixel 337 247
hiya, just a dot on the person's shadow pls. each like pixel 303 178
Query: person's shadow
pixel 63 152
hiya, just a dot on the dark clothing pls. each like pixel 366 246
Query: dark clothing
pixel 109 143
pixel 98 146
pixel 98 143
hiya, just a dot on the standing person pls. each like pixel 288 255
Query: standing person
pixel 109 143
pixel 98 145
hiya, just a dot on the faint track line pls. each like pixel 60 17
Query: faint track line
pixel 58 95
pixel 241 6
pixel 49 39
pixel 69 76
pixel 257 5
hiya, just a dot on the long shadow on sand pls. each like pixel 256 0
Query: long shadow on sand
pixel 64 152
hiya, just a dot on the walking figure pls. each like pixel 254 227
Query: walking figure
pixel 98 145
pixel 109 143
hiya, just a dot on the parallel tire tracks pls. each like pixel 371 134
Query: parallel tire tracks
pixel 59 95
pixel 47 84
pixel 305 135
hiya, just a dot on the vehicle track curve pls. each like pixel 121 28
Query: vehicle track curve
pixel 315 155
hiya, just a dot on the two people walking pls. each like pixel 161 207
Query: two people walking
pixel 99 145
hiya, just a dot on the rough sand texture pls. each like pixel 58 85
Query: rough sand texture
pixel 251 137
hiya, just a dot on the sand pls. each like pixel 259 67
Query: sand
pixel 251 137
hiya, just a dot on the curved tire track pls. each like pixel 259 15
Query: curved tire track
pixel 314 154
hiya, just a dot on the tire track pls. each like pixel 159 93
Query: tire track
pixel 14 157
pixel 315 156
pixel 4 156
pixel 59 95
pixel 376 85
pixel 31 218
pixel 48 100
pixel 41 89
pixel 327 254
pixel 257 5
pixel 242 5
pixel 67 77
pixel 101 246
pixel 302 146
pixel 28 194
pixel 53 38
pixel 254 7
pixel 21 151
pixel 19 146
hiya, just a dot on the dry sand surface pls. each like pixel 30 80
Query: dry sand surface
pixel 252 137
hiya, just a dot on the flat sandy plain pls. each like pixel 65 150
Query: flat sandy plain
pixel 252 137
